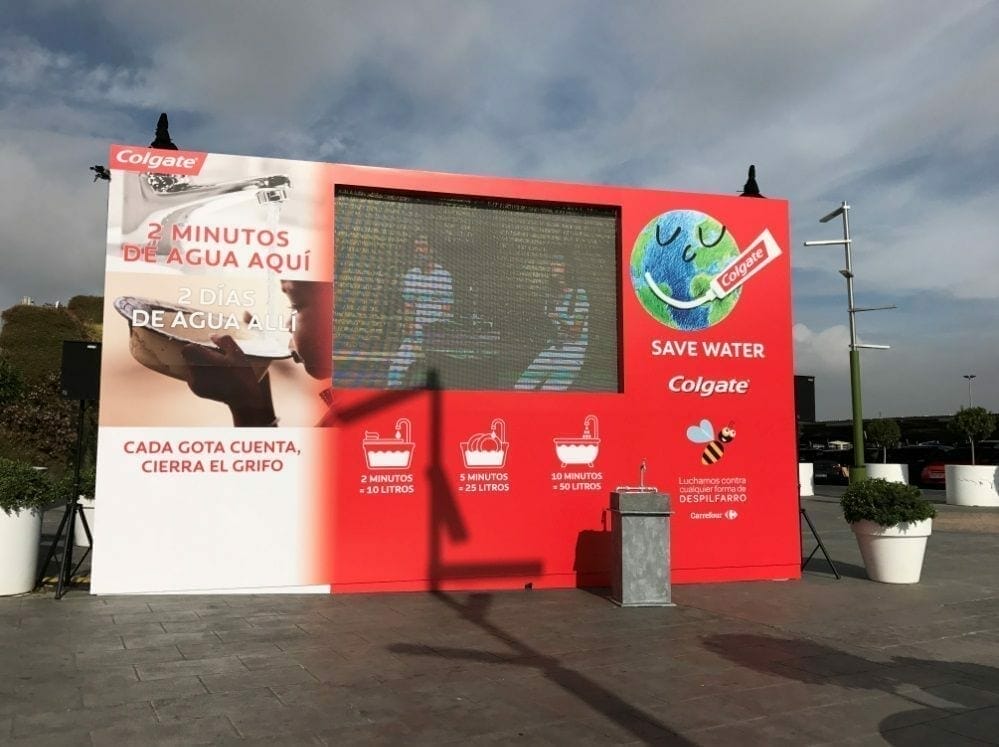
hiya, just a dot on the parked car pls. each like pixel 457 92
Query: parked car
pixel 919 458
pixel 832 466
pixel 934 474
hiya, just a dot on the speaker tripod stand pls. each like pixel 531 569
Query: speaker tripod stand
pixel 818 540
pixel 67 525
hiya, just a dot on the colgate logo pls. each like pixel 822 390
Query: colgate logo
pixel 741 267
pixel 131 158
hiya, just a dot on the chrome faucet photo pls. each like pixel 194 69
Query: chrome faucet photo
pixel 162 201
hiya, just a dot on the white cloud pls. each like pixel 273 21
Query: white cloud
pixel 886 105
pixel 51 219
pixel 823 352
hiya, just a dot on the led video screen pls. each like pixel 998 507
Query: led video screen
pixel 482 294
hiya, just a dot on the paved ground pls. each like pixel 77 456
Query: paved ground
pixel 811 662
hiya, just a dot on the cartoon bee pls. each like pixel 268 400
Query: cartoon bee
pixel 705 433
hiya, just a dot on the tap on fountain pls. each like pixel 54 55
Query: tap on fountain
pixel 168 200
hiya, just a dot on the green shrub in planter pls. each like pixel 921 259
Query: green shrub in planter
pixel 972 424
pixel 24 487
pixel 66 485
pixel 885 503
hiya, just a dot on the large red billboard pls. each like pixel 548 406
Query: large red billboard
pixel 398 380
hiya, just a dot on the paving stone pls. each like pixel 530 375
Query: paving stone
pixel 829 723
pixel 205 625
pixel 927 735
pixel 73 720
pixel 790 696
pixel 278 658
pixel 761 732
pixel 341 643
pixel 272 635
pixel 337 672
pixel 394 732
pixel 699 684
pixel 61 738
pixel 919 675
pixel 83 624
pixel 9 620
pixel 249 680
pixel 563 732
pixel 283 721
pixel 53 698
pixel 192 708
pixel 214 649
pixel 194 667
pixel 29 681
pixel 68 645
pixel 287 740
pixel 982 724
pixel 162 640
pixel 702 713
pixel 831 664
pixel 99 677
pixel 143 691
pixel 178 615
pixel 870 740
pixel 959 696
pixel 173 602
pixel 456 721
pixel 624 729
pixel 208 730
pixel 313 695
pixel 979 675
pixel 280 620
pixel 36 660
pixel 115 605
pixel 131 656
pixel 816 661
pixel 120 630
pixel 380 704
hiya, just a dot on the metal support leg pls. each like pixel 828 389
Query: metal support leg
pixel 820 546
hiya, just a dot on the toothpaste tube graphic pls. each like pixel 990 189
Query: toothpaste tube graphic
pixel 757 255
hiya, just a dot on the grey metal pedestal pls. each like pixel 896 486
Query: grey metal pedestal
pixel 640 530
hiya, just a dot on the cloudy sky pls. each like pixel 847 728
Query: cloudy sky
pixel 890 106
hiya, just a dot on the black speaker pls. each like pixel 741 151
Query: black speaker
pixel 804 398
pixel 81 370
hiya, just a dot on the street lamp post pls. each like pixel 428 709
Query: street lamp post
pixel 859 470
pixel 970 378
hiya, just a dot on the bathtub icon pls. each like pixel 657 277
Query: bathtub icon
pixel 390 453
pixel 486 449
pixel 580 449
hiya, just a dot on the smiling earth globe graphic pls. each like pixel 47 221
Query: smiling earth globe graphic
pixel 681 252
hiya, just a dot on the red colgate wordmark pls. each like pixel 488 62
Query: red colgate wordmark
pixel 135 158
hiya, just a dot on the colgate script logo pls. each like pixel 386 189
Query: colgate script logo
pixel 132 158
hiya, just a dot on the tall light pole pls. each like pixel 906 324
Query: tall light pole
pixel 970 378
pixel 859 470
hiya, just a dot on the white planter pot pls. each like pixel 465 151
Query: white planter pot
pixel 20 536
pixel 972 484
pixel 889 472
pixel 80 536
pixel 806 478
pixel 893 555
